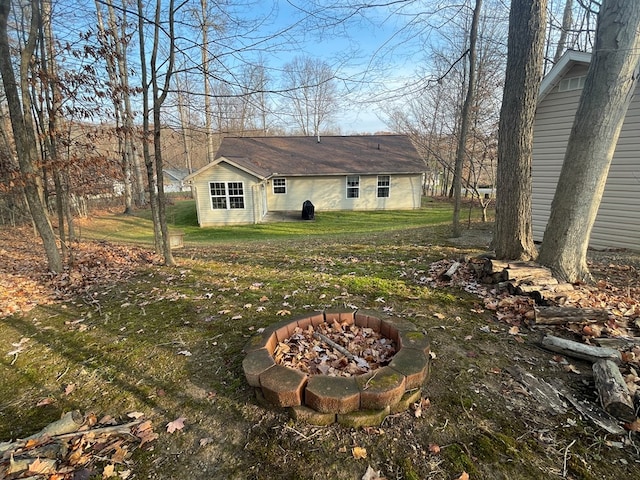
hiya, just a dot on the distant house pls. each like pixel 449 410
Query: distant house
pixel 617 224
pixel 174 179
pixel 253 176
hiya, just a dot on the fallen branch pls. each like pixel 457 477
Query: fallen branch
pixel 123 429
pixel 448 275
pixel 580 350
pixel 354 358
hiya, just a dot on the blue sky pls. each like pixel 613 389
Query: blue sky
pixel 369 49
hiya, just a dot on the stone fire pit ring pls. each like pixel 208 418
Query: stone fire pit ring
pixel 361 400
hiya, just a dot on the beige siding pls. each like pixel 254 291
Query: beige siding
pixel 617 224
pixel 207 216
pixel 330 193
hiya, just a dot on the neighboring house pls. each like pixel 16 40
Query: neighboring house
pixel 174 179
pixel 252 176
pixel 617 224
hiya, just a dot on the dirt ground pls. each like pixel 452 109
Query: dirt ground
pixel 476 418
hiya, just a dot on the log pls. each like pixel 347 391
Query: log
pixel 492 266
pixel 580 350
pixel 612 391
pixel 70 422
pixel 563 315
pixel 448 275
pixel 526 272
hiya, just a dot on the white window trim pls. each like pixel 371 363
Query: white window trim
pixel 387 186
pixel 571 84
pixel 351 187
pixel 227 196
pixel 284 185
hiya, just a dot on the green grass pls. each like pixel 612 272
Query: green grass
pixel 181 216
pixel 122 344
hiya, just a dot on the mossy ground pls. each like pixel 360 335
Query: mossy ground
pixel 168 342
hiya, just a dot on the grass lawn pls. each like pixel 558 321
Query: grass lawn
pixel 168 342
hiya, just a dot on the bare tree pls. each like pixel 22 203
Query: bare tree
pixel 23 127
pixel 513 237
pixel 310 92
pixel 608 89
pixel 465 119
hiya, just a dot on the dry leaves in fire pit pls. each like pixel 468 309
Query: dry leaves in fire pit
pixel 337 349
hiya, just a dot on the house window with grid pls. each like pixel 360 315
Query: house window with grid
pixel 353 186
pixel 226 195
pixel 279 185
pixel 384 183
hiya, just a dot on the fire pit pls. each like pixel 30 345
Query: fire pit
pixel 298 364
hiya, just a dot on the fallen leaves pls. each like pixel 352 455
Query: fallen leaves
pixel 359 453
pixel 76 455
pixel 175 425
pixel 304 351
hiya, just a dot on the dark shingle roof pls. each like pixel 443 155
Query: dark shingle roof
pixel 333 155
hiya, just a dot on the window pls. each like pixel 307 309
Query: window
pixel 218 195
pixel 568 84
pixel 226 195
pixel 279 185
pixel 353 186
pixel 384 182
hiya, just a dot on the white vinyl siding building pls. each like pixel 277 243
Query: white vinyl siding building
pixel 617 224
pixel 340 173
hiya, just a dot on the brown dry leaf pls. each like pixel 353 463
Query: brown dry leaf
pixel 434 448
pixel 463 476
pixel 439 315
pixel 514 330
pixel 45 401
pixel 372 474
pixel 282 313
pixel 109 471
pixel 177 424
pixel 134 415
pixel 47 465
pixel 633 426
pixel 359 452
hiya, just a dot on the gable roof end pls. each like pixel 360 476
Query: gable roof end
pixel 559 70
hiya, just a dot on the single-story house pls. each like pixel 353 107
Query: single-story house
pixel 617 223
pixel 174 179
pixel 253 176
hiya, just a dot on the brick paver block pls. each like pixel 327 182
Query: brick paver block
pixel 363 418
pixel 413 364
pixel 339 316
pixel 408 399
pixel 255 364
pixel 332 394
pixel 309 415
pixel 413 339
pixel 283 386
pixel 381 388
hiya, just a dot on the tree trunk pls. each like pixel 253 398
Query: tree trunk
pixel 148 161
pixel 466 120
pixel 158 100
pixel 513 234
pixel 22 125
pixel 567 20
pixel 608 90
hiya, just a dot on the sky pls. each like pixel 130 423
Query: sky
pixel 368 48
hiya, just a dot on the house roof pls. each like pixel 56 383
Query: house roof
pixel 560 69
pixel 333 155
pixel 178 174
